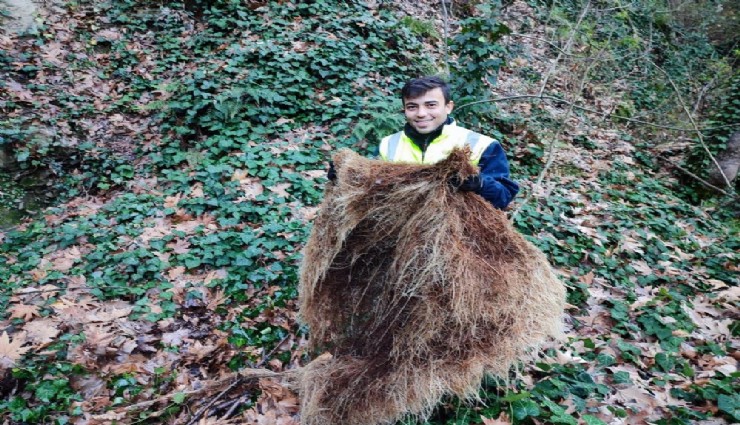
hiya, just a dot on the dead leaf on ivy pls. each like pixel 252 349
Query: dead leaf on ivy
pixel 179 246
pixel 197 191
pixel 24 311
pixel 503 419
pixel 90 386
pixel 199 351
pixel 160 229
pixel 175 338
pixel 240 175
pixel 251 188
pixel 276 405
pixel 66 259
pixel 172 201
pixel 41 331
pixel 216 299
pixel 12 351
pixel 110 312
pixel 215 274
pixel 175 272
pixel 280 190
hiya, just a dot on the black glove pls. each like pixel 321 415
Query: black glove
pixel 332 173
pixel 471 184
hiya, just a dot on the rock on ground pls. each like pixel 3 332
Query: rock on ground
pixel 20 15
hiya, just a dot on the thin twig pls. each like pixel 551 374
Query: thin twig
pixel 268 355
pixel 697 178
pixel 693 123
pixel 702 93
pixel 550 43
pixel 242 374
pixel 709 85
pixel 81 288
pixel 445 30
pixel 551 147
pixel 203 409
pixel 166 397
pixel 41 291
pixel 234 405
pixel 249 373
pixel 566 48
pixel 594 111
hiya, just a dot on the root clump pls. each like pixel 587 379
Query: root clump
pixel 416 291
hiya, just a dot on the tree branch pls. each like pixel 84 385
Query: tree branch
pixel 549 43
pixel 585 109
pixel 244 374
pixel 248 373
pixel 709 85
pixel 697 178
pixel 566 48
pixel 203 409
pixel 446 31
pixel 551 146
pixel 693 123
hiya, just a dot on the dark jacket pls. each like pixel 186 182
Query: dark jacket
pixel 497 187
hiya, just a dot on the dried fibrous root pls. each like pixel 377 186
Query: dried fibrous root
pixel 416 290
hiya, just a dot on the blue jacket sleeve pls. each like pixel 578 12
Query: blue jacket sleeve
pixel 497 188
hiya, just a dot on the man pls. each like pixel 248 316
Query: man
pixel 430 134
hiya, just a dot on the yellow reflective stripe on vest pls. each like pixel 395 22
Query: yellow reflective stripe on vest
pixel 400 148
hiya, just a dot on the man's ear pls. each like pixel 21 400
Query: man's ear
pixel 450 106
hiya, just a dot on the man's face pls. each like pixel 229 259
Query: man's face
pixel 428 111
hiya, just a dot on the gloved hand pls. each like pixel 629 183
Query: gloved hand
pixel 470 184
pixel 332 173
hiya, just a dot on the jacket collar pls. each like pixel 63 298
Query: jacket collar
pixel 423 140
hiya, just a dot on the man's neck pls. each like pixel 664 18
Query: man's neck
pixel 423 140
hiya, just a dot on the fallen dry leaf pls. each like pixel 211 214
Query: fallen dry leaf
pixel 175 272
pixel 251 189
pixel 280 190
pixel 179 246
pixel 110 312
pixel 175 338
pixel 240 175
pixel 41 331
pixel 66 259
pixel 24 311
pixel 503 419
pixel 172 201
pixel 12 351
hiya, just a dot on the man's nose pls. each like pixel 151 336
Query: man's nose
pixel 421 112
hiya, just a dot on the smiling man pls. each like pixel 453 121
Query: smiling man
pixel 430 135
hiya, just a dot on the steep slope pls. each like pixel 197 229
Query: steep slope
pixel 192 141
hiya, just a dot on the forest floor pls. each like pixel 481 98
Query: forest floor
pixel 165 292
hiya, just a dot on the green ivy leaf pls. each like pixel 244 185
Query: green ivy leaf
pixel 729 404
pixel 178 398
pixel 524 408
pixel 512 396
pixel 592 420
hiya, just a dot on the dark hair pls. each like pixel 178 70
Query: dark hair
pixel 418 86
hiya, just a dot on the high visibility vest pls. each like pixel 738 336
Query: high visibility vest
pixel 399 147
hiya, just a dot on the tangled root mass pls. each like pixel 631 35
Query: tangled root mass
pixel 416 290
